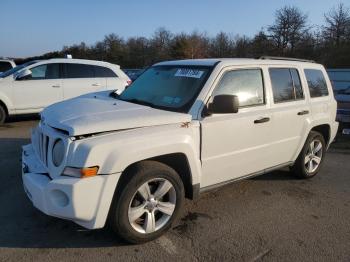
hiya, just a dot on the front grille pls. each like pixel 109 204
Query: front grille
pixel 42 145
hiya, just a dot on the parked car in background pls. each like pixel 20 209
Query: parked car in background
pixel 6 64
pixel 31 87
pixel 182 128
pixel 340 79
pixel 133 74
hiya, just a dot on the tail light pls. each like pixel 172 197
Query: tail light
pixel 128 82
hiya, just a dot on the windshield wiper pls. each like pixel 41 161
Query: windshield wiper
pixel 140 102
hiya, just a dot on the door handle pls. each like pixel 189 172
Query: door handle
pixel 56 86
pixel 304 112
pixel 96 84
pixel 262 120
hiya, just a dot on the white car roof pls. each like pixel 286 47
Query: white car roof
pixel 81 61
pixel 7 60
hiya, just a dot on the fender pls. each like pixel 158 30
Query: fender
pixel 114 152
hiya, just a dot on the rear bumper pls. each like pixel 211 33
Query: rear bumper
pixel 84 201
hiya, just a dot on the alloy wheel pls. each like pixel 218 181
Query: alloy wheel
pixel 313 156
pixel 152 205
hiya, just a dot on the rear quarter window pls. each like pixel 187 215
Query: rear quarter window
pixel 101 71
pixel 316 82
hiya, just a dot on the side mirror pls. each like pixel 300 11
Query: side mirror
pixel 223 104
pixel 24 74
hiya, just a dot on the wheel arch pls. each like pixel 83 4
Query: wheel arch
pixel 324 130
pixel 178 161
pixel 4 106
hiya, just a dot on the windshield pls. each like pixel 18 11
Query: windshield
pixel 171 88
pixel 15 69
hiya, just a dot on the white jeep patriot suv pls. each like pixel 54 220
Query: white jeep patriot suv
pixel 181 128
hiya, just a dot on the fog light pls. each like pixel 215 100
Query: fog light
pixel 59 198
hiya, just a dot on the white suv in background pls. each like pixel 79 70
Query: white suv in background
pixel 183 127
pixel 30 88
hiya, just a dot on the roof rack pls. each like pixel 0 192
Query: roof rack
pixel 286 58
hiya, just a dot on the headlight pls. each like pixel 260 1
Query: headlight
pixel 58 152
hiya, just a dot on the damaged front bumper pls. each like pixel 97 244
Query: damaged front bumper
pixel 85 201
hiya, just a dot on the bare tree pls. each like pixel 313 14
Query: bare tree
pixel 137 52
pixel 337 28
pixel 221 46
pixel 198 45
pixel 289 28
pixel 160 44
pixel 262 45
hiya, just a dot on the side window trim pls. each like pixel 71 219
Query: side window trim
pixel 294 86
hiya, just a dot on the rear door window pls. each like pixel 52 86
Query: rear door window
pixel 286 84
pixel 79 71
pixel 316 82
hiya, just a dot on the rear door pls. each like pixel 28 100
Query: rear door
pixel 80 79
pixel 42 88
pixel 290 111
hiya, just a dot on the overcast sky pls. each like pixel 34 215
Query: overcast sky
pixel 35 27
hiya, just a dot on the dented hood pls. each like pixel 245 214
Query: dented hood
pixel 98 112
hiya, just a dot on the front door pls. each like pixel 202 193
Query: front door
pixel 42 88
pixel 237 144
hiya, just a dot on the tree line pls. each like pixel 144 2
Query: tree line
pixel 290 35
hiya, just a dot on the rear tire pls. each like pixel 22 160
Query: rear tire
pixel 148 202
pixel 2 115
pixel 311 156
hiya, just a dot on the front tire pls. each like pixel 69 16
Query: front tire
pixel 148 203
pixel 311 156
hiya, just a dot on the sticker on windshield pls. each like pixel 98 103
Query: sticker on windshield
pixel 186 72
